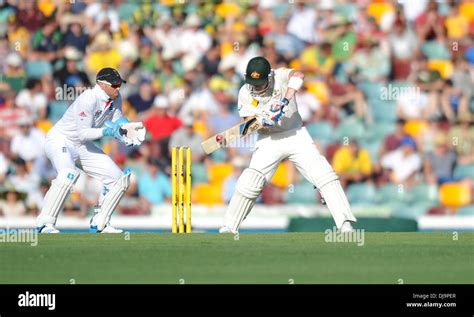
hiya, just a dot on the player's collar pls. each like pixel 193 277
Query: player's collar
pixel 101 94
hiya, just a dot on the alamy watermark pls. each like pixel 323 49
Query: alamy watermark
pixel 8 235
pixel 391 92
pixel 69 93
pixel 336 236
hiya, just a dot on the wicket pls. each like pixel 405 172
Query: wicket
pixel 181 188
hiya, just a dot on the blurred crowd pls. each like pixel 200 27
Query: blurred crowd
pixel 388 95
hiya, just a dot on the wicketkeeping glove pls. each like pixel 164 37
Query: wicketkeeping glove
pixel 112 129
pixel 133 133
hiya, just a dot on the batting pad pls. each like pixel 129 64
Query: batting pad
pixel 111 200
pixel 335 198
pixel 54 200
pixel 249 186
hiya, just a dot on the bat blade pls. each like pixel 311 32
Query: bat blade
pixel 225 137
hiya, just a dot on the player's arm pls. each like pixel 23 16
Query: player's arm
pixel 295 82
pixel 84 116
pixel 248 110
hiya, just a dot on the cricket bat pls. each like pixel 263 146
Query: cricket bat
pixel 225 137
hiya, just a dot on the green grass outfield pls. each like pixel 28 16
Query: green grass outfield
pixel 279 258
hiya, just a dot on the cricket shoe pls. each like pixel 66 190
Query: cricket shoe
pixel 225 229
pixel 47 228
pixel 108 229
pixel 347 227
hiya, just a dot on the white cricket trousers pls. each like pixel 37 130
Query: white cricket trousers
pixel 93 161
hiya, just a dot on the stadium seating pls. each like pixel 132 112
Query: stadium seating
pixel 37 69
pixel 321 131
pixel 415 127
pixel 409 212
pixel 199 173
pixel 219 156
pixel 56 109
pixel 280 178
pixel 219 172
pixel 444 67
pixel 466 211
pixel 383 111
pixel 464 171
pixel 361 194
pixel 379 131
pixel 302 193
pixel 392 193
pixel 319 90
pixel 207 194
pixel 352 129
pixel 455 194
pixel 373 148
pixel 371 90
pixel 126 10
pixel 423 193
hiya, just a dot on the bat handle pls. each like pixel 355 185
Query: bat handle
pixel 122 131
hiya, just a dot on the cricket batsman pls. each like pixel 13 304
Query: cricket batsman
pixel 96 113
pixel 269 96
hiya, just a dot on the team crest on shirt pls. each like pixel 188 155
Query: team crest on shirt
pixel 97 114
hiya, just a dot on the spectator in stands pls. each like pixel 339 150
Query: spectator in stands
pixel 228 187
pixel 287 45
pixel 400 166
pixel 47 41
pixel 349 99
pixel 3 167
pixel 153 185
pixel 29 16
pixel 462 77
pixel 369 63
pixel 392 141
pixel 18 36
pixel 23 180
pixel 416 103
pixel 316 60
pixel 453 102
pixel 194 40
pixel 148 56
pixel 76 37
pixel 102 54
pixel 99 14
pixel 11 204
pixel 462 139
pixel 457 25
pixel 430 23
pixel 403 47
pixel 302 21
pixel 186 136
pixel 159 123
pixel 309 106
pixel 222 120
pixel 10 114
pixel 352 163
pixel 438 165
pixel 70 75
pixel 142 101
pixel 33 99
pixel 14 75
pixel 210 60
pixel 29 143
